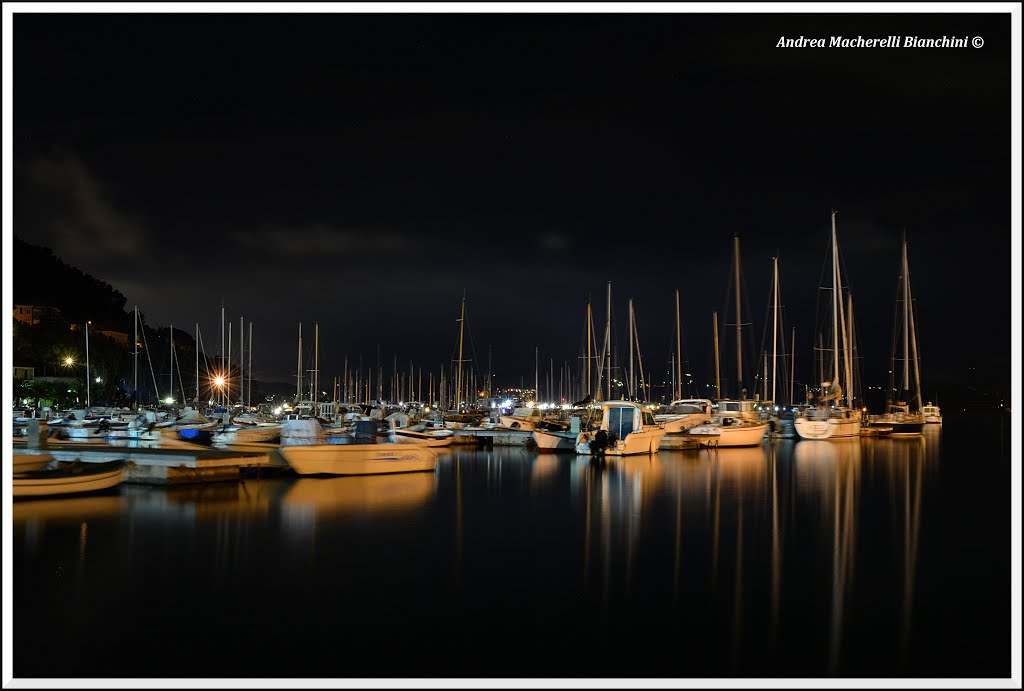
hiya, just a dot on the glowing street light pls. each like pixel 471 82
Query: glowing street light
pixel 69 361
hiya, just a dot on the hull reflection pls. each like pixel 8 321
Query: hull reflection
pixel 325 496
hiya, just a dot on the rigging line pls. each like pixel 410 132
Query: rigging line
pixel 156 389
pixel 176 361
pixel 206 360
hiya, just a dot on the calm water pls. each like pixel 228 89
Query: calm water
pixel 870 557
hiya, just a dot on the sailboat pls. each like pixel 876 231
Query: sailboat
pixel 904 414
pixel 734 422
pixel 832 418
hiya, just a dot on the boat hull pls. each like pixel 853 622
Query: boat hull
pixel 359 459
pixel 644 441
pixel 49 483
pixel 728 435
pixel 830 428
pixel 555 441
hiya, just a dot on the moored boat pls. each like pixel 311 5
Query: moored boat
pixel 359 459
pixel 75 478
pixel 625 429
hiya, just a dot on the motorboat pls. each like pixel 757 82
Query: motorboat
pixel 625 429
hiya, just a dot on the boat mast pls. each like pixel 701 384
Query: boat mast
pixel 913 331
pixel 135 366
pixel 248 389
pixel 632 377
pixel 316 365
pixel 679 353
pixel 458 376
pixel 170 393
pixel 298 371
pixel 792 370
pixel 241 360
pixel 608 340
pixel 739 325
pixel 589 327
pixel 718 369
pixel 88 376
pixel 835 304
pixel 536 374
pixel 639 360
pixel 197 364
pixel 852 355
pixel 775 325
pixel 223 370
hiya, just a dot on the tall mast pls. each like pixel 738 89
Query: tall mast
pixel 679 353
pixel 639 360
pixel 739 320
pixel 135 366
pixel 589 326
pixel 248 389
pixel 775 327
pixel 718 369
pixel 227 388
pixel 88 376
pixel 913 333
pixel 223 369
pixel 536 374
pixel 906 318
pixel 241 360
pixel 298 371
pixel 608 339
pixel 316 364
pixel 632 377
pixel 170 394
pixel 835 304
pixel 792 370
pixel 197 363
pixel 458 376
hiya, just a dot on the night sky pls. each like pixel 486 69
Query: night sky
pixel 367 170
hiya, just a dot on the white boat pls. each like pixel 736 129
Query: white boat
pixel 626 429
pixel 684 413
pixel 734 423
pixel 359 459
pixel 245 434
pixel 523 418
pixel 549 440
pixel 74 479
pixel 836 420
pixel 932 414
pixel 820 422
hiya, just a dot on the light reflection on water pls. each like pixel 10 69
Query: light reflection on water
pixel 791 558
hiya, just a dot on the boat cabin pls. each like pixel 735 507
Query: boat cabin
pixel 743 410
pixel 689 406
pixel 623 417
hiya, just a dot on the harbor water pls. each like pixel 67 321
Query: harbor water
pixel 872 557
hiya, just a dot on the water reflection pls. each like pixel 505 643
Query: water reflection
pixel 785 557
pixel 323 497
pixel 834 475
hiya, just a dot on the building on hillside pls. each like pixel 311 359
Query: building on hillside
pixel 31 314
